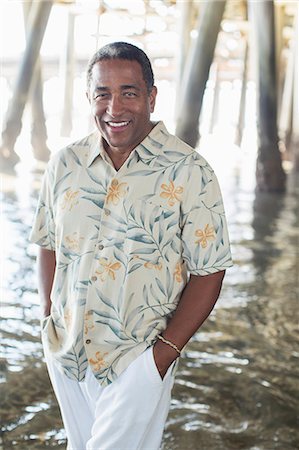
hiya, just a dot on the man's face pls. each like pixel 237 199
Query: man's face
pixel 120 103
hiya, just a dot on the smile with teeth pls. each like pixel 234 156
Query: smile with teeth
pixel 118 124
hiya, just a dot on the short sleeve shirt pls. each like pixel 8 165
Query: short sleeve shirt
pixel 125 242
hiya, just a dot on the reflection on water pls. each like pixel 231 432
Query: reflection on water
pixel 237 385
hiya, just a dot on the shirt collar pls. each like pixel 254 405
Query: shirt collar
pixel 147 149
pixel 152 144
pixel 96 148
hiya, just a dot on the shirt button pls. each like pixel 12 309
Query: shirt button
pixel 88 341
pixel 93 278
pixel 101 247
pixel 107 212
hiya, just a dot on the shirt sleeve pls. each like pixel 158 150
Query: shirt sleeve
pixel 206 247
pixel 43 229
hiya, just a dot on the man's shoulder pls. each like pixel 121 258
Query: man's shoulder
pixel 174 150
pixel 179 149
pixel 73 154
pixel 176 144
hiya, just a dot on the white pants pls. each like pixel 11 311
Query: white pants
pixel 129 414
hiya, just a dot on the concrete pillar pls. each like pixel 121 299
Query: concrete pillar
pixel 295 124
pixel 68 77
pixel 13 123
pixel 197 69
pixel 39 134
pixel 242 108
pixel 270 175
pixel 214 74
pixel 285 115
pixel 279 24
pixel 186 10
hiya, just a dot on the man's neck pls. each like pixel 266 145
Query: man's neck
pixel 117 157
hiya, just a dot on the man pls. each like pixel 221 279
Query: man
pixel 133 249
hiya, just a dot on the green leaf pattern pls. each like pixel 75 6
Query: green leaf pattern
pixel 125 243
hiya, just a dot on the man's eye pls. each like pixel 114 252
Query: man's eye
pixel 129 94
pixel 100 96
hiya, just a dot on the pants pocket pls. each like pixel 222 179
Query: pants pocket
pixel 44 322
pixel 152 368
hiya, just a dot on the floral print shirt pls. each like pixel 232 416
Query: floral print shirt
pixel 126 242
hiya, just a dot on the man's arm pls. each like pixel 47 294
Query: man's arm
pixel 46 264
pixel 195 305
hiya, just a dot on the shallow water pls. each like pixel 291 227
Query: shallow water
pixel 237 385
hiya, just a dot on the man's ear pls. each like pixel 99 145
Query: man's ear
pixel 152 98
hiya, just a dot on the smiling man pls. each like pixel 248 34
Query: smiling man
pixel 133 246
pixel 121 104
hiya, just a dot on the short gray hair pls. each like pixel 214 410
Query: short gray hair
pixel 126 51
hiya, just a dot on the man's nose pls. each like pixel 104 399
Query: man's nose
pixel 115 106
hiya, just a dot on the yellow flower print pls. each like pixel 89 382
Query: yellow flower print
pixel 107 269
pixel 171 192
pixel 178 272
pixel 67 318
pixel 99 361
pixel 88 322
pixel 150 265
pixel 70 199
pixel 205 235
pixel 72 241
pixel 116 191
